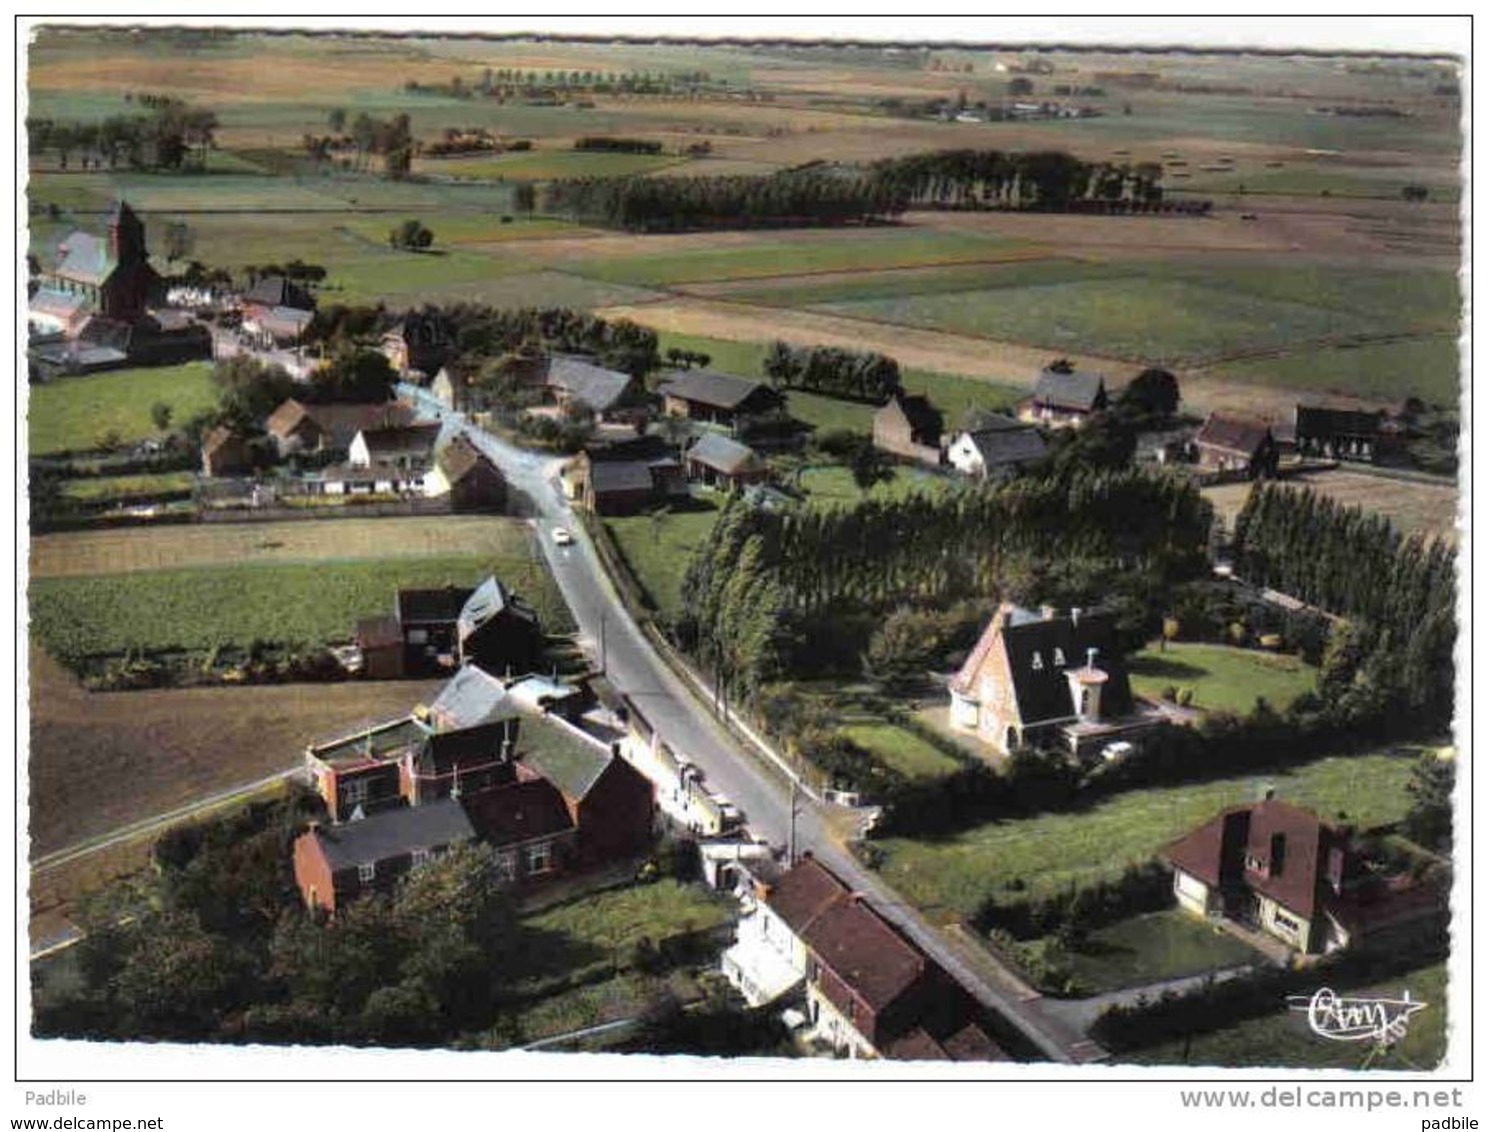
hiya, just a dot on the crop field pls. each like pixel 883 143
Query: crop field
pixel 1413 506
pixel 86 553
pixel 137 754
pixel 1220 677
pixel 550 164
pixel 293 604
pixel 1049 852
pixel 122 489
pixel 75 413
pixel 1384 372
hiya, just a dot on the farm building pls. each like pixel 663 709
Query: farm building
pixel 1046 679
pixel 297 427
pixel 626 477
pixel 111 277
pixel 225 453
pixel 999 448
pixel 909 426
pixel 1283 870
pixel 277 311
pixel 869 991
pixel 1064 397
pixel 717 398
pixel 473 482
pixel 431 630
pixel 717 461
pixel 1232 444
pixel 392 460
pixel 1338 434
pixel 419 344
pixel 577 382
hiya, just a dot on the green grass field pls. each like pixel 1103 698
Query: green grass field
pixel 296 604
pixel 1283 1039
pixel 1153 947
pixel 618 918
pixel 1428 368
pixel 859 250
pixel 870 286
pixel 903 750
pixel 659 549
pixel 833 486
pixel 1220 677
pixel 75 413
pixel 952 875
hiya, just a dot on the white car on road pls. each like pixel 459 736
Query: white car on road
pixel 562 536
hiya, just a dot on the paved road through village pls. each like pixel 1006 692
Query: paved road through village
pixel 634 668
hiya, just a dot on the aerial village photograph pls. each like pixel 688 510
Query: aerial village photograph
pixel 835 553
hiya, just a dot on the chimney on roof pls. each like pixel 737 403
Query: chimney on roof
pixel 1268 793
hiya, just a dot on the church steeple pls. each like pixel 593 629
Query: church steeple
pixel 126 236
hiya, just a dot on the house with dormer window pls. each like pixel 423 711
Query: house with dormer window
pixel 1046 679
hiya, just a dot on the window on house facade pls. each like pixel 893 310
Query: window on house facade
pixel 539 858
pixel 354 792
pixel 367 873
pixel 422 857
pixel 506 866
pixel 1286 923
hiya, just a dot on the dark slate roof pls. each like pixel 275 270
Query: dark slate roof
pixel 277 291
pixel 724 455
pixel 389 834
pixel 925 421
pixel 442 605
pixel 522 811
pixel 710 387
pixel 56 303
pixel 444 750
pixel 1000 446
pixel 620 475
pixel 340 421
pixel 401 440
pixel 1313 420
pixel 592 385
pixel 471 697
pixel 573 766
pixel 1233 434
pixel 1077 390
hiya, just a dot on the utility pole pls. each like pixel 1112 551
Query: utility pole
pixel 790 847
pixel 603 625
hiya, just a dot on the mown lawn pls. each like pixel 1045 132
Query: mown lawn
pixel 1221 678
pixel 658 549
pixel 833 486
pixel 1283 1038
pixel 616 919
pixel 902 750
pixel 76 413
pixel 1153 947
pixel 296 604
pixel 1051 851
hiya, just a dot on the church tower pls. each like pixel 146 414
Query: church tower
pixel 126 237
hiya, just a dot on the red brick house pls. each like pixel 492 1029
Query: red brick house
pixel 626 477
pixel 298 427
pixel 1283 870
pixel 475 483
pixel 611 803
pixel 225 453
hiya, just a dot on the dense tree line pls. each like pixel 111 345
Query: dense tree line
pixel 1043 181
pixel 216 946
pixel 607 144
pixel 488 332
pixel 173 136
pixel 772 594
pixel 1399 594
pixel 680 204
pixel 853 374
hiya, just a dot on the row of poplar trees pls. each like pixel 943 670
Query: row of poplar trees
pixel 766 585
pixel 1398 593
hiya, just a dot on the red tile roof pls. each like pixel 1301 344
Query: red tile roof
pixel 803 893
pixel 523 811
pixel 1233 434
pixel 865 953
